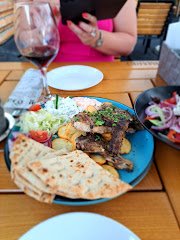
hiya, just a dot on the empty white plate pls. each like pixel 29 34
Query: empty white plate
pixel 74 77
pixel 79 226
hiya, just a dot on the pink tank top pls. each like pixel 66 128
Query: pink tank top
pixel 72 50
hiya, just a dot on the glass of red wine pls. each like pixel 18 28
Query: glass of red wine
pixel 37 37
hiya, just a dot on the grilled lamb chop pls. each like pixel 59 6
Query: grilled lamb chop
pixel 89 144
pixel 117 136
pixel 86 122
pixel 100 121
pixel 83 122
pixel 135 124
pixel 119 162
pixel 85 127
pixel 82 126
pixel 108 119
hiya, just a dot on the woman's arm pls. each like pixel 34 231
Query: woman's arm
pixel 119 42
pixel 123 39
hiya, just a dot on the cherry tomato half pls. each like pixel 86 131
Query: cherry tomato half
pixel 172 100
pixel 39 136
pixel 35 107
pixel 174 136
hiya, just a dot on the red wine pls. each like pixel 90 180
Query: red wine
pixel 41 56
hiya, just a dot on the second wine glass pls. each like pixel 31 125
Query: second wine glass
pixel 37 37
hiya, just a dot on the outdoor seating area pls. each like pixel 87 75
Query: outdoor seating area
pixel 153 18
pixel 90 120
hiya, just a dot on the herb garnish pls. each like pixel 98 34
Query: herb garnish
pixel 99 122
pixel 57 99
pixel 99 117
pixel 76 119
pixel 97 137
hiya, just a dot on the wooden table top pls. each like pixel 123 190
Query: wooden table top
pixel 151 210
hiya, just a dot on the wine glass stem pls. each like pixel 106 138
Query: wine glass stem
pixel 45 92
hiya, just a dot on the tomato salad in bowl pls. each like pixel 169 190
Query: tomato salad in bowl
pixel 164 117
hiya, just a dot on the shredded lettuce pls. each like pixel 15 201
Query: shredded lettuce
pixel 54 114
pixel 41 120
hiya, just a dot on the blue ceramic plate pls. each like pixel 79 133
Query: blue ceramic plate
pixel 141 155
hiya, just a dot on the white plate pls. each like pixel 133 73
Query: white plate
pixel 11 122
pixel 79 226
pixel 74 77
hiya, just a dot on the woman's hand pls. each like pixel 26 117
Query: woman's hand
pixel 88 33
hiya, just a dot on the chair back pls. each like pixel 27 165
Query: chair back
pixel 153 16
pixel 6 20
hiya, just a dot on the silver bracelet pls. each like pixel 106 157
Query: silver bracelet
pixel 99 41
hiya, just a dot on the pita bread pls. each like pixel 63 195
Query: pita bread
pixel 32 191
pixel 44 197
pixel 42 172
pixel 29 178
pixel 77 175
pixel 25 147
pixel 23 151
pixel 23 183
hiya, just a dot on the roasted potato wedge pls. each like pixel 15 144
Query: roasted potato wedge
pixel 59 143
pixel 98 158
pixel 108 104
pixel 70 130
pixel 91 109
pixel 62 132
pixel 125 147
pixel 111 169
